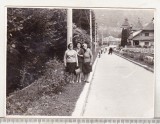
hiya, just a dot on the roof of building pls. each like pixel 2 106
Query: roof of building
pixel 143 38
pixel 138 26
pixel 111 38
pixel 149 26
pixel 134 34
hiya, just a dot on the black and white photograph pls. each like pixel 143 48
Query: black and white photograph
pixel 80 62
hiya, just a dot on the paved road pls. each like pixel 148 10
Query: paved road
pixel 120 89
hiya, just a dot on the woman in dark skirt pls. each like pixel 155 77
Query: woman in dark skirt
pixel 71 61
pixel 80 53
pixel 87 65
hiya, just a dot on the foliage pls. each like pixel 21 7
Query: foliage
pixel 80 35
pixel 33 37
pixel 52 82
pixel 124 37
pixel 81 17
pixel 145 55
pixel 36 35
pixel 149 51
pixel 56 76
pixel 149 60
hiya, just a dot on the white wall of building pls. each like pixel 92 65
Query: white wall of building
pixel 141 43
pixel 150 33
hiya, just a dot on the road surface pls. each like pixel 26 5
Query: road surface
pixel 120 89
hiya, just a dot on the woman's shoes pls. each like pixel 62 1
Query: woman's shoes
pixel 78 81
pixel 71 82
pixel 86 81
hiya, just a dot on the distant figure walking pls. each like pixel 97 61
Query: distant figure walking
pixel 101 50
pixel 110 50
pixel 99 54
pixel 87 65
pixel 105 49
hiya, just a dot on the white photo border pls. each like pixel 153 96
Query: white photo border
pixel 119 4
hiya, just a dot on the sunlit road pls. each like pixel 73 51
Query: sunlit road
pixel 120 89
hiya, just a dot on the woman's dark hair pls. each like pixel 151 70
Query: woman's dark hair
pixel 79 43
pixel 69 45
pixel 83 46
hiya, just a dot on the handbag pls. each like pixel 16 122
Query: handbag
pixel 78 71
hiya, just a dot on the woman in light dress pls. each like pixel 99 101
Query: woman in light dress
pixel 71 61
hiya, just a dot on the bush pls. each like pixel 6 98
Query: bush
pixel 138 56
pixel 141 57
pixel 80 35
pixel 131 54
pixel 56 77
pixel 145 46
pixel 149 60
pixel 138 46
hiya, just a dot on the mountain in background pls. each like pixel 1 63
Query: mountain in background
pixel 112 19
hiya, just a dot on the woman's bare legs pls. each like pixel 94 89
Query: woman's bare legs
pixel 86 77
pixel 77 78
pixel 80 77
pixel 72 78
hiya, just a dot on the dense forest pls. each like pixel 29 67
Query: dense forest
pixel 35 36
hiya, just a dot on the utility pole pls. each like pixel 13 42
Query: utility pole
pixel 102 16
pixel 95 36
pixel 102 36
pixel 69 25
pixel 91 27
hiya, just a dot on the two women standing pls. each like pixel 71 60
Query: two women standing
pixel 80 57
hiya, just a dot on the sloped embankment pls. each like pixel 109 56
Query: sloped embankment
pixel 50 95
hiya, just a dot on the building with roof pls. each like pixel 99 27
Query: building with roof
pixel 110 40
pixel 143 37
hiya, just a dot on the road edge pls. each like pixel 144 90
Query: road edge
pixel 81 102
